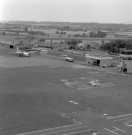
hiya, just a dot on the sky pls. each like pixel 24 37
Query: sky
pixel 101 11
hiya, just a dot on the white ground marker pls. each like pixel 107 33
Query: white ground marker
pixel 128 123
pixel 74 102
pixel 115 129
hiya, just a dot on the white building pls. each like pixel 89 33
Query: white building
pixel 126 54
pixel 99 60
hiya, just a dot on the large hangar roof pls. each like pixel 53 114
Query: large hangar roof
pixel 98 57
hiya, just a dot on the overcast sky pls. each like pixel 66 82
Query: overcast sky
pixel 104 11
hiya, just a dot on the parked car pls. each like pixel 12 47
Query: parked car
pixel 69 59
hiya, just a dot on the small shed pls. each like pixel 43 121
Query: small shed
pixel 128 66
pixel 13 45
pixel 99 60
pixel 9 44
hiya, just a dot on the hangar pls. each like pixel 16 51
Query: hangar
pixel 99 60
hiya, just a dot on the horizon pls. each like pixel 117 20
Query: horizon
pixel 73 11
pixel 61 22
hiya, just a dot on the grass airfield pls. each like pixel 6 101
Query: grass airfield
pixel 35 95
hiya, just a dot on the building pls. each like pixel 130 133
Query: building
pixel 9 44
pixel 126 54
pixel 128 66
pixel 99 60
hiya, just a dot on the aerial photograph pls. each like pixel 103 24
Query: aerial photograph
pixel 65 67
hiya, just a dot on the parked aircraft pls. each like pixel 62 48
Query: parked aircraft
pixel 21 53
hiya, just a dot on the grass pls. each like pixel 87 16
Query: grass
pixel 25 102
pixel 31 97
pixel 31 100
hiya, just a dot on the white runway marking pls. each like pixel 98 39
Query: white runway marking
pixel 110 131
pixel 110 117
pixel 123 119
pixel 43 130
pixel 78 132
pixel 115 129
pixel 65 130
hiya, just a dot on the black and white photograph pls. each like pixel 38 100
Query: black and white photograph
pixel 65 67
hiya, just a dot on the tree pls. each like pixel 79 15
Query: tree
pixel 30 37
pixel 26 29
pixel 92 34
pixel 88 46
pixel 17 33
pixel 62 32
pixel 84 35
pixel 73 43
pixel 98 34
pixel 57 32
pixel 77 35
pixel 42 40
pixel 41 33
pixel 115 46
pixel 3 32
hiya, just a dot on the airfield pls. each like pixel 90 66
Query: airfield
pixel 45 95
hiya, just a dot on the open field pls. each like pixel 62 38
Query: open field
pixel 35 95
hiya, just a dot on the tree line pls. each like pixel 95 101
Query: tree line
pixel 116 45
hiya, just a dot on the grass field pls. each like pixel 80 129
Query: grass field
pixel 33 95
